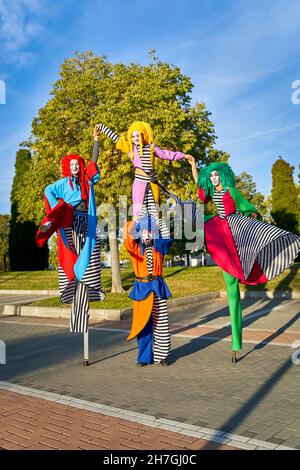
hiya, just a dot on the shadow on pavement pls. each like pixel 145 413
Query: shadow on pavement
pixel 202 342
pixel 39 351
pixel 247 408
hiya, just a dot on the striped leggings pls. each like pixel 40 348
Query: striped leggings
pixel 149 207
pixel 80 311
pixel 154 342
pixel 161 330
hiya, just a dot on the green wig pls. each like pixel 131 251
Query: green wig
pixel 226 174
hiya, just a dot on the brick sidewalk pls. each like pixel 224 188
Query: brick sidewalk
pixel 28 423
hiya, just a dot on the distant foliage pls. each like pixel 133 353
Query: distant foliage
pixel 285 196
pixel 246 185
pixel 4 234
pixel 23 253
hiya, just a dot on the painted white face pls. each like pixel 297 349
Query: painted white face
pixel 146 236
pixel 74 167
pixel 135 137
pixel 214 178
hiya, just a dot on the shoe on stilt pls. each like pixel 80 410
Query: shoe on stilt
pixel 163 362
pixel 233 357
pixel 141 364
pixel 45 227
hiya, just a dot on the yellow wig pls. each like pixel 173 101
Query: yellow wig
pixel 145 137
pixel 145 134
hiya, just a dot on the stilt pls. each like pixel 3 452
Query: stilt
pixel 233 357
pixel 86 348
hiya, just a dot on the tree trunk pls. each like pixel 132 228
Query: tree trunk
pixel 116 283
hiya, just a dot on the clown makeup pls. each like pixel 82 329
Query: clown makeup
pixel 74 167
pixel 215 178
pixel 146 237
pixel 135 137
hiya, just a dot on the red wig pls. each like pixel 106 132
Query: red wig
pixel 65 169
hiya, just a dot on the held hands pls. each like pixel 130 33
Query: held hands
pixel 192 162
pixel 96 132
pixel 254 215
pixel 190 159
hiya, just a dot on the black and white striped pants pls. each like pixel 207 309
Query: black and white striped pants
pixel 80 311
pixel 161 330
pixel 80 293
pixel 149 207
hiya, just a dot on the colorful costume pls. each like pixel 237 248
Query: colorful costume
pixel 78 244
pixel 150 293
pixel 145 194
pixel 245 248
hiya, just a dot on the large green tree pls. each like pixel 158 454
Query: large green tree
pixel 90 89
pixel 23 253
pixel 285 193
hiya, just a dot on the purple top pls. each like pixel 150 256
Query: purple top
pixel 168 154
pixel 158 152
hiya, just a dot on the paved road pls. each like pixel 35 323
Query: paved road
pixel 257 399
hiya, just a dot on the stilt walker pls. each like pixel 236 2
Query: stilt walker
pixel 150 318
pixel 139 146
pixel 150 323
pixel 71 211
pixel 245 248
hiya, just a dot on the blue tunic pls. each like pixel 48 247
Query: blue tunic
pixel 61 189
pixel 141 290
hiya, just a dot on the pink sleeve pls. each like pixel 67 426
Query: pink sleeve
pixel 168 154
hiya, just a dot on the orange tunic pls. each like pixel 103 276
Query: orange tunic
pixel 141 309
pixel 139 261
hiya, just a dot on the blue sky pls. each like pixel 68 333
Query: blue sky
pixel 242 57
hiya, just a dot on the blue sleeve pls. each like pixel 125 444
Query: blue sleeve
pixel 164 245
pixel 167 245
pixel 95 178
pixel 55 191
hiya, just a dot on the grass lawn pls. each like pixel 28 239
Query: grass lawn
pixel 182 282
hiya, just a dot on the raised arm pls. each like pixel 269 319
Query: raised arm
pixel 130 243
pixel 121 142
pixel 201 193
pixel 96 143
pixel 168 154
pixel 111 134
pixel 192 162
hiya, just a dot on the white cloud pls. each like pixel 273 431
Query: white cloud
pixel 261 133
pixel 21 22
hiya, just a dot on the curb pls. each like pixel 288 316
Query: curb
pixel 267 294
pixel 126 313
pixel 55 293
pixel 57 312
pixel 98 314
